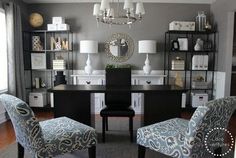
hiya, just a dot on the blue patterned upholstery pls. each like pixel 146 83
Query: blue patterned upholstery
pixel 47 138
pixel 181 138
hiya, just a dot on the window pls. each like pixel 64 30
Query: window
pixel 3 52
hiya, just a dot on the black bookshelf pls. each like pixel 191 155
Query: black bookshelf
pixel 47 75
pixel 187 55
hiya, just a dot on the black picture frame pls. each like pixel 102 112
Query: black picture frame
pixel 175 45
pixel 182 43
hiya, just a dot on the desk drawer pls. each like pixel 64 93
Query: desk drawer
pixel 150 81
pixel 85 81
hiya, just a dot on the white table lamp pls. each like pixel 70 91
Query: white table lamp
pixel 147 47
pixel 88 46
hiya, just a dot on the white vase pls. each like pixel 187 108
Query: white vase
pixel 147 67
pixel 88 68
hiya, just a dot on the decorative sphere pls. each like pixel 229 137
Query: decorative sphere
pixel 36 20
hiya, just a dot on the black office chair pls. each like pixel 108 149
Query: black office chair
pixel 118 104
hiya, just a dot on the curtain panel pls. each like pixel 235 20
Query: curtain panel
pixel 16 81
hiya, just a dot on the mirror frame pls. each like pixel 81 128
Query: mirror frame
pixel 130 44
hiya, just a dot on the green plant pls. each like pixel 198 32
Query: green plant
pixel 112 66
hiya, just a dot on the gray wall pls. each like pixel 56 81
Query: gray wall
pixel 153 26
pixel 223 11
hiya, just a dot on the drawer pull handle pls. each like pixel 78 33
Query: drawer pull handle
pixel 148 82
pixel 88 82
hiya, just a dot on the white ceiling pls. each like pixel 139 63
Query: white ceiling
pixel 145 1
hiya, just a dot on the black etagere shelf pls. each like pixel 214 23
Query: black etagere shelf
pixel 187 55
pixel 48 73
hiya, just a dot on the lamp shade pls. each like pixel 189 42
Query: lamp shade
pixel 111 12
pixel 88 46
pixel 140 8
pixel 128 5
pixel 96 9
pixel 147 46
pixel 105 5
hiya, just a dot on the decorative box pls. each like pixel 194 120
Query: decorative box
pixel 177 64
pixel 52 27
pixel 59 64
pixel 199 99
pixel 182 26
pixel 38 60
pixel 63 27
pixel 38 99
pixel 199 85
pixel 58 20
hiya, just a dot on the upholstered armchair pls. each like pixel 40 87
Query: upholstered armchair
pixel 47 138
pixel 181 138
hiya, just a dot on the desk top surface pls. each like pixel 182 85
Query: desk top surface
pixel 103 88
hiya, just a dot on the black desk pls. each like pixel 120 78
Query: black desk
pixel 161 102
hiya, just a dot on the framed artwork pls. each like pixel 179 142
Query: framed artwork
pixel 183 43
pixel 38 60
pixel 174 45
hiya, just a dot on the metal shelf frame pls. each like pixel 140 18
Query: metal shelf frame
pixel 188 73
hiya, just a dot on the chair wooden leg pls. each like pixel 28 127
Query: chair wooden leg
pixel 103 129
pixel 141 151
pixel 131 128
pixel 92 152
pixel 20 151
pixel 106 123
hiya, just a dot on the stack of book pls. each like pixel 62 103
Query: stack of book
pixel 59 64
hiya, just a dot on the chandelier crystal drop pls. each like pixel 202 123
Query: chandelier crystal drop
pixel 116 16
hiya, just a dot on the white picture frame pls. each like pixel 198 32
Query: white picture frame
pixel 38 60
pixel 183 44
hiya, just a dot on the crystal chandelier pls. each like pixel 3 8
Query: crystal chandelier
pixel 106 14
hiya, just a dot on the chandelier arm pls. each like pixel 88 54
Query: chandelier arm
pixel 108 16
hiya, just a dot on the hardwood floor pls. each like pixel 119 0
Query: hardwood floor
pixel 7 134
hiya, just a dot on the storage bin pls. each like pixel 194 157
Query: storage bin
pixel 199 85
pixel 199 99
pixel 38 99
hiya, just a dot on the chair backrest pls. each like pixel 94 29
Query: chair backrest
pixel 214 114
pixel 27 128
pixel 118 77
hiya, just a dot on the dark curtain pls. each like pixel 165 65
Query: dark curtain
pixel 16 82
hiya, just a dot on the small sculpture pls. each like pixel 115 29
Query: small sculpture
pixel 199 45
pixel 65 45
pixel 59 44
pixel 36 43
pixel 178 80
pixel 36 20
pixel 208 26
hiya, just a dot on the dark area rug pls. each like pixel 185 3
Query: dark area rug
pixel 117 144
